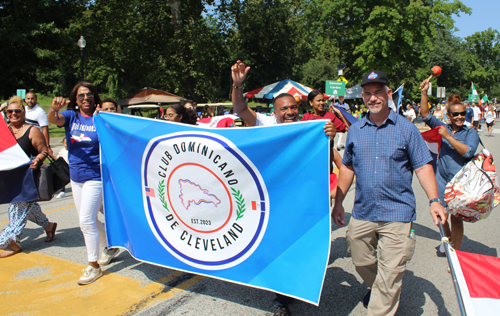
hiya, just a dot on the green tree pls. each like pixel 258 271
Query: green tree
pixel 391 35
pixel 34 35
pixel 484 58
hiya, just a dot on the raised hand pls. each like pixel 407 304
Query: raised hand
pixel 239 72
pixel 58 103
pixel 424 86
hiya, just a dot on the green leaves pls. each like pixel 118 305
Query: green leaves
pixel 161 194
pixel 240 202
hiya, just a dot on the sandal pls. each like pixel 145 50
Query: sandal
pixel 10 251
pixel 52 233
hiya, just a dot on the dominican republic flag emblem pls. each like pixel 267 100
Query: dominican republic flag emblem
pixel 78 136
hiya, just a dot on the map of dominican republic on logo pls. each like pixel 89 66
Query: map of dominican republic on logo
pixel 205 201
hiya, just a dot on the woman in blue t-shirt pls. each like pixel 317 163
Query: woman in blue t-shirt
pixel 85 169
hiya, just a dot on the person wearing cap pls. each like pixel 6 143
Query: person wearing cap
pixel 382 151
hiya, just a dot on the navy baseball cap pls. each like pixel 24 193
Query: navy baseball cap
pixel 375 76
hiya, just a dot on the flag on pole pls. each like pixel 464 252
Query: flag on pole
pixel 478 281
pixel 16 177
pixel 485 98
pixel 474 91
pixel 433 140
pixel 220 202
pixel 397 97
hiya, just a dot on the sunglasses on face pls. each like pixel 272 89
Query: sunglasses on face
pixel 109 109
pixel 18 111
pixel 81 96
pixel 455 114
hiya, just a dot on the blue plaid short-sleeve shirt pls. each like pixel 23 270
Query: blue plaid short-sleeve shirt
pixel 383 158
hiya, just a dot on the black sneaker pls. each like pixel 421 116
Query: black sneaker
pixel 366 299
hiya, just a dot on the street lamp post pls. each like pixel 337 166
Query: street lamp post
pixel 81 43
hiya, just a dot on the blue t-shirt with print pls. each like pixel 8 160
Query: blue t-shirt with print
pixel 83 147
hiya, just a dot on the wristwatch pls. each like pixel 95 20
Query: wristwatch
pixel 434 200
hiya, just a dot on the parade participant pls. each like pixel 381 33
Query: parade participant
pixel 438 113
pixel 317 102
pixel 341 104
pixel 33 144
pixel 110 105
pixel 36 116
pixel 410 113
pixel 188 104
pixel 469 115
pixel 180 114
pixel 382 151
pixel 490 118
pixel 85 170
pixel 477 116
pixel 458 146
pixel 287 111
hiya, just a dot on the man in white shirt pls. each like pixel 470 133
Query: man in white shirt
pixel 286 111
pixel 477 115
pixel 36 116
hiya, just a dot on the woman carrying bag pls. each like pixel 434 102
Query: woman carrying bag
pixel 32 142
pixel 458 146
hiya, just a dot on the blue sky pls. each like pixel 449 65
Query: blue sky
pixel 484 15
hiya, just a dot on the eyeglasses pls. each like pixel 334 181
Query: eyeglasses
pixel 14 110
pixel 109 109
pixel 455 114
pixel 81 96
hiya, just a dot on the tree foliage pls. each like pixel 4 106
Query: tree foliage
pixel 187 47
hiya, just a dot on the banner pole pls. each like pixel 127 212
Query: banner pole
pixel 444 240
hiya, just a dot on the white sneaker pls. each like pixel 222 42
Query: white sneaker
pixel 90 274
pixel 61 195
pixel 107 255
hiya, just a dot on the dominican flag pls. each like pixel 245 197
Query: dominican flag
pixel 433 140
pixel 16 178
pixel 477 281
pixel 218 121
pixel 11 154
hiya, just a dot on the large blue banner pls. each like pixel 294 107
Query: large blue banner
pixel 246 205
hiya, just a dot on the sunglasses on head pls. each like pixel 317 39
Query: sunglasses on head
pixel 81 96
pixel 14 110
pixel 455 114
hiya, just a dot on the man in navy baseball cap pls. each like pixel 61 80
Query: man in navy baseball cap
pixel 375 76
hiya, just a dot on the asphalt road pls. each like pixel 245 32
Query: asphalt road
pixel 427 286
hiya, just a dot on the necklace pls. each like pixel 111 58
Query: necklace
pixel 15 132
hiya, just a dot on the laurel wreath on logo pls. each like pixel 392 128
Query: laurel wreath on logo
pixel 161 194
pixel 240 201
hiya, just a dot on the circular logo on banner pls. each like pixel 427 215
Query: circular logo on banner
pixel 204 199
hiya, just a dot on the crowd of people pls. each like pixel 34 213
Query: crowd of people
pixel 383 150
